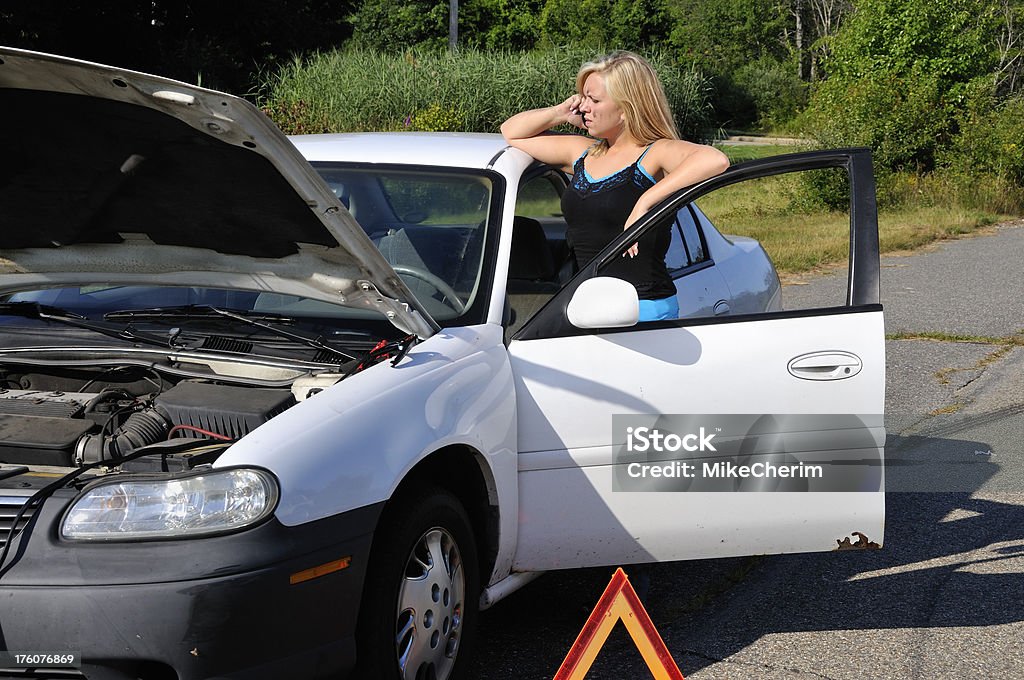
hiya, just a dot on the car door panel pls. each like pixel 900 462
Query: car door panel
pixel 571 383
pixel 566 459
pixel 700 292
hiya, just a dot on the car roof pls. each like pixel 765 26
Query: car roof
pixel 450 149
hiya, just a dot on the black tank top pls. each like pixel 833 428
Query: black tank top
pixel 595 212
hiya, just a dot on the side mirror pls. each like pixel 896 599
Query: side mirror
pixel 604 302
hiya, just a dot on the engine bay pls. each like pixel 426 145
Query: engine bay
pixel 71 417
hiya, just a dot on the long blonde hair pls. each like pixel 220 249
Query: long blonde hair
pixel 634 86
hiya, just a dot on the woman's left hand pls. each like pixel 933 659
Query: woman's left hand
pixel 633 217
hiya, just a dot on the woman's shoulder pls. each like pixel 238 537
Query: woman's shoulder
pixel 664 155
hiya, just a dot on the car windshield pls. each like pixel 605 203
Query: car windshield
pixel 430 225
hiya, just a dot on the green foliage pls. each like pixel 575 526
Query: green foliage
pixel 627 24
pixel 991 138
pixel 951 39
pixel 902 118
pixel 395 26
pixel 776 90
pixel 827 189
pixel 574 22
pixel 361 89
pixel 500 24
pixel 483 24
pixel 724 35
pixel 436 118
pixel 951 189
pixel 296 117
pixel 898 74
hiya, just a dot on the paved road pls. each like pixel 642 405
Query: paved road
pixel 943 599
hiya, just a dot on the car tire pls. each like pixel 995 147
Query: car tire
pixel 422 591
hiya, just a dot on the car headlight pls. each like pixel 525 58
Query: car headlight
pixel 210 502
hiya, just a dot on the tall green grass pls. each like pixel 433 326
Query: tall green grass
pixel 359 89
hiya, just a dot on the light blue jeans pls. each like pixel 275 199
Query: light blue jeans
pixel 659 310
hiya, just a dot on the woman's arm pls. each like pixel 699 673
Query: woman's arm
pixel 525 131
pixel 682 164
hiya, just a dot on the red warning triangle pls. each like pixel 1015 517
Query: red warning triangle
pixel 619 601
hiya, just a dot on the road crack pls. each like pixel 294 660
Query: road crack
pixel 1003 344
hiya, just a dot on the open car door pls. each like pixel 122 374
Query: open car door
pixel 778 413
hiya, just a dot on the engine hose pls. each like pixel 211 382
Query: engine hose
pixel 142 428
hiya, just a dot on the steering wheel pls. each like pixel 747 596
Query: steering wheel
pixel 438 284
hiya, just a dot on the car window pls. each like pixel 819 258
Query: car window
pixel 764 239
pixel 753 246
pixel 420 199
pixel 691 234
pixel 540 262
pixel 799 223
pixel 540 197
pixel 687 245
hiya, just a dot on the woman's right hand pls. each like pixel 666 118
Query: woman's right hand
pixel 527 131
pixel 570 108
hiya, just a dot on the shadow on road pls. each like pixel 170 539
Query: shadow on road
pixel 945 563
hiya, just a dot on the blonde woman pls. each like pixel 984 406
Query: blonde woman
pixel 631 159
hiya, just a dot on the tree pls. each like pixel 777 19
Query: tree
pixel 605 24
pixel 502 24
pixel 1010 47
pixel 898 73
pixel 827 16
pixel 211 42
pixel 391 26
pixel 721 36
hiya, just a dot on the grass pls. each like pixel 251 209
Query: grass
pixel 799 243
pixel 801 236
pixel 357 89
pixel 937 336
pixel 914 210
pixel 738 153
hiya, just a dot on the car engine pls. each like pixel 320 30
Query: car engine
pixel 61 424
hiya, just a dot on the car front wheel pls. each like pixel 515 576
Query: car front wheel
pixel 421 592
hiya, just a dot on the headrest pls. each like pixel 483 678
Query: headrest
pixel 531 254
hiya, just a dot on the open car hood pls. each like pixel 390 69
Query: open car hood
pixel 112 176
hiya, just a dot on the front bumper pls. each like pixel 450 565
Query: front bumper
pixel 197 609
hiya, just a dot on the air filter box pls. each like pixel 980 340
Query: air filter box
pixel 223 409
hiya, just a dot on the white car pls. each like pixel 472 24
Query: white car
pixel 275 408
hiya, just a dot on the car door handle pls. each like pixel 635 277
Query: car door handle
pixel 721 307
pixel 830 365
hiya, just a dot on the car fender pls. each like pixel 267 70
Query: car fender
pixel 351 445
pixel 751 277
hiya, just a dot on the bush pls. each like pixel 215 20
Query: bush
pixel 359 89
pixel 777 91
pixel 950 189
pixel 904 119
pixel 991 136
pixel 436 118
pixel 628 24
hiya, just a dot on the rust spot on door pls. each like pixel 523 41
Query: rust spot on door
pixel 862 543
